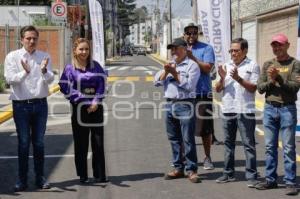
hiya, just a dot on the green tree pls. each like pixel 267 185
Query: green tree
pixel 140 14
pixel 125 14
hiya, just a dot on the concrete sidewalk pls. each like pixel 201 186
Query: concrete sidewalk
pixel 6 106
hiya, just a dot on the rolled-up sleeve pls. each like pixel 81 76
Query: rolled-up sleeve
pixel 48 77
pixel 188 80
pixel 157 81
pixel 11 72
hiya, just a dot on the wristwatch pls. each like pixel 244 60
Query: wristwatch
pixel 239 80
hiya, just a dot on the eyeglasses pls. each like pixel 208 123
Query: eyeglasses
pixel 191 33
pixel 234 50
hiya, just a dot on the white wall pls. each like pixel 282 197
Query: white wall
pixel 178 25
pixel 163 43
pixel 12 14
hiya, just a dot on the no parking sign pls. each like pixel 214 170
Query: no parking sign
pixel 59 12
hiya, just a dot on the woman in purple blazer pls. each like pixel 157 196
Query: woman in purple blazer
pixel 83 84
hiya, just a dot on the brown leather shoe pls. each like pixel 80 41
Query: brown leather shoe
pixel 193 177
pixel 174 174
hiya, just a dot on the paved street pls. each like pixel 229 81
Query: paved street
pixel 136 148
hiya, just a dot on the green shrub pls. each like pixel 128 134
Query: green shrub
pixel 2 80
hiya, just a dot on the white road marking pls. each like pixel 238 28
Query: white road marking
pixel 124 68
pixel 140 68
pixel 149 72
pixel 46 156
pixel 154 67
pixel 112 68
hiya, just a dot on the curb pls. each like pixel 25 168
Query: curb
pixel 7 112
pixel 158 59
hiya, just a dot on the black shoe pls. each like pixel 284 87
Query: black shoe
pixel 100 180
pixel 291 190
pixel 266 185
pixel 41 183
pixel 84 180
pixel 20 186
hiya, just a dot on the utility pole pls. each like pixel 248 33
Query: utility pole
pixel 113 17
pixel 238 23
pixel 194 11
pixel 169 26
pixel 170 21
pixel 157 21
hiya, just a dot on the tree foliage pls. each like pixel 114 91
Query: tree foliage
pixel 125 12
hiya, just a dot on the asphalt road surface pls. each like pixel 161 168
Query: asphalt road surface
pixel 136 148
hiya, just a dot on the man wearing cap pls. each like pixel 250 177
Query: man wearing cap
pixel 179 79
pixel 278 82
pixel 203 55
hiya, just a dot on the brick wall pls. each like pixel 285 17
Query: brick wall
pixel 49 41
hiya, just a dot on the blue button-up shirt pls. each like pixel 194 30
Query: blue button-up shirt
pixel 189 75
pixel 204 53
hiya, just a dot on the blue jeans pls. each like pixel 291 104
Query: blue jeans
pixel 30 120
pixel 245 123
pixel 180 123
pixel 284 120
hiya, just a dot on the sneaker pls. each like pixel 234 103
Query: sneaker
pixel 291 190
pixel 174 174
pixel 207 164
pixel 252 183
pixel 20 186
pixel 41 183
pixel 266 185
pixel 225 178
pixel 193 177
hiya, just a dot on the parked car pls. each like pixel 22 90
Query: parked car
pixel 135 49
pixel 141 51
pixel 149 50
pixel 126 51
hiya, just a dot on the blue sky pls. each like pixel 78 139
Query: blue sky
pixel 179 7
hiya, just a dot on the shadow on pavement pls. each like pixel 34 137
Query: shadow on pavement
pixel 120 180
pixel 54 145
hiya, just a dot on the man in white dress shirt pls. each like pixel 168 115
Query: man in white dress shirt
pixel 28 71
pixel 238 80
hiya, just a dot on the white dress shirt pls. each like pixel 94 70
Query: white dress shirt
pixel 236 99
pixel 27 85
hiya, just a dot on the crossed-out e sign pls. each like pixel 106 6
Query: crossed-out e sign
pixel 59 9
pixel 58 12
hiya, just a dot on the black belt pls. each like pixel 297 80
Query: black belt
pixel 278 104
pixel 30 101
pixel 180 100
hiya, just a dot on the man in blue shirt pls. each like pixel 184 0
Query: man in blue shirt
pixel 179 79
pixel 203 55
